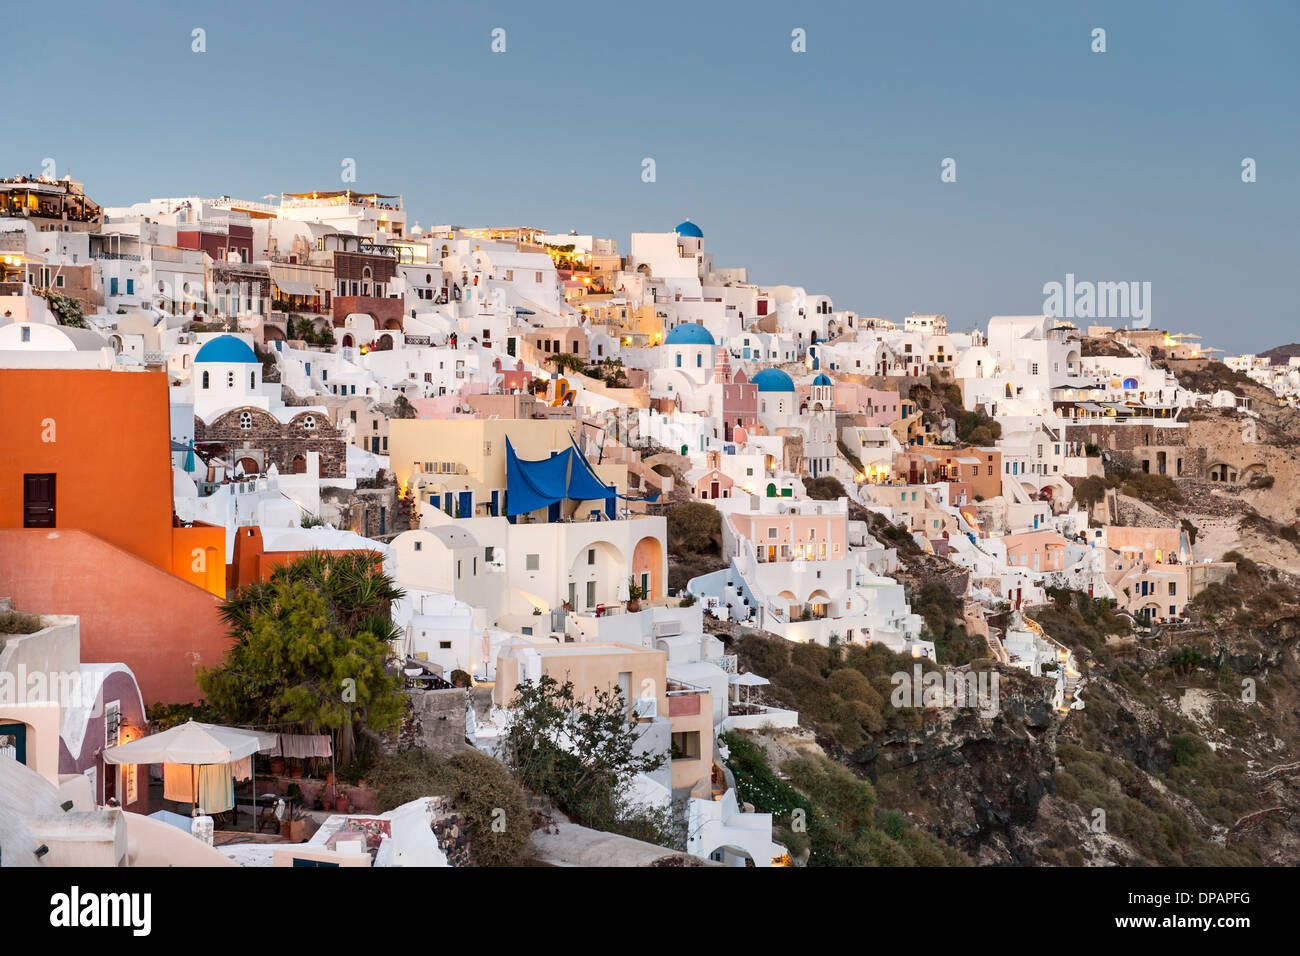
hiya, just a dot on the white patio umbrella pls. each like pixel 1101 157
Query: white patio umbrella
pixel 194 744
pixel 746 680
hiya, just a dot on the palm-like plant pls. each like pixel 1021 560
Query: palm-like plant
pixel 316 624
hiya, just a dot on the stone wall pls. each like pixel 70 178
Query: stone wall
pixel 435 720
pixel 278 442
pixel 451 830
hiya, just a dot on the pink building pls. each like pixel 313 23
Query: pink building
pixel 711 484
pixel 739 398
pixel 880 406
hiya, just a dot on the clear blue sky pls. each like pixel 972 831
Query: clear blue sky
pixel 819 169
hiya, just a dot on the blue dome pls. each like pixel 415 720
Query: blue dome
pixel 822 379
pixel 688 333
pixel 226 348
pixel 773 380
pixel 689 229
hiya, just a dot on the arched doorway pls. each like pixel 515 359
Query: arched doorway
pixel 299 465
pixel 385 343
pixel 348 341
pixel 647 564
pixel 595 576
pixel 771 490
pixel 247 465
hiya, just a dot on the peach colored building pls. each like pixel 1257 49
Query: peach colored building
pixel 1036 550
pixel 981 468
pixel 1149 545
pixel 794 537
pixel 640 674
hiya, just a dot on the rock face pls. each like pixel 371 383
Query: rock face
pixel 973 781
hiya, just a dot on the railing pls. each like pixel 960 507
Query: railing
pixel 727 662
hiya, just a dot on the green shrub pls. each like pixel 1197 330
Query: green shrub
pixel 479 787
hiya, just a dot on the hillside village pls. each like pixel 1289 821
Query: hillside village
pixel 564 509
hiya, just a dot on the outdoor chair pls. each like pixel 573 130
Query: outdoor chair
pixel 274 813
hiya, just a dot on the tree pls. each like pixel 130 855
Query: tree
pixel 403 408
pixel 825 488
pixel 1090 491
pixel 694 527
pixel 311 649
pixel 568 362
pixel 579 752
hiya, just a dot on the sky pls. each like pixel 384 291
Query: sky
pixel 819 168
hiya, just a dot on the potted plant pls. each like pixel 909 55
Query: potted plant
pixel 294 829
pixel 296 771
pixel 634 595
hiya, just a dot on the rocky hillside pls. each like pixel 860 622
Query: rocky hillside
pixel 1185 754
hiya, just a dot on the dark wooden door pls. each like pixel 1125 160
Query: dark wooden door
pixel 38 501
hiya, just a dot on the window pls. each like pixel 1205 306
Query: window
pixel 230 380
pixel 532 562
pixel 309 423
pixel 444 645
pixel 591 594
pixel 252 380
pixel 591 555
pixel 205 379
pixel 419 546
pixel 27 333
pixel 686 745
pixel 246 420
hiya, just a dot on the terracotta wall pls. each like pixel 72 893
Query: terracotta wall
pixel 163 628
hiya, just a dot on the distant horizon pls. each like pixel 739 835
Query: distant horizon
pixel 821 169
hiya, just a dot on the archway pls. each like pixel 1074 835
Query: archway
pixel 385 343
pixel 248 465
pixel 771 489
pixel 299 465
pixel 820 602
pixel 730 855
pixel 647 562
pixel 792 607
pixel 348 341
pixel 393 325
pixel 596 575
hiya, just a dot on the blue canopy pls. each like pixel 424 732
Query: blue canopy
pixel 533 485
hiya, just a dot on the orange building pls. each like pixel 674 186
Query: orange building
pixel 89 450
pixel 253 561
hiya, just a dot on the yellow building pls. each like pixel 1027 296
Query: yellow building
pixel 641 675
pixel 459 465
